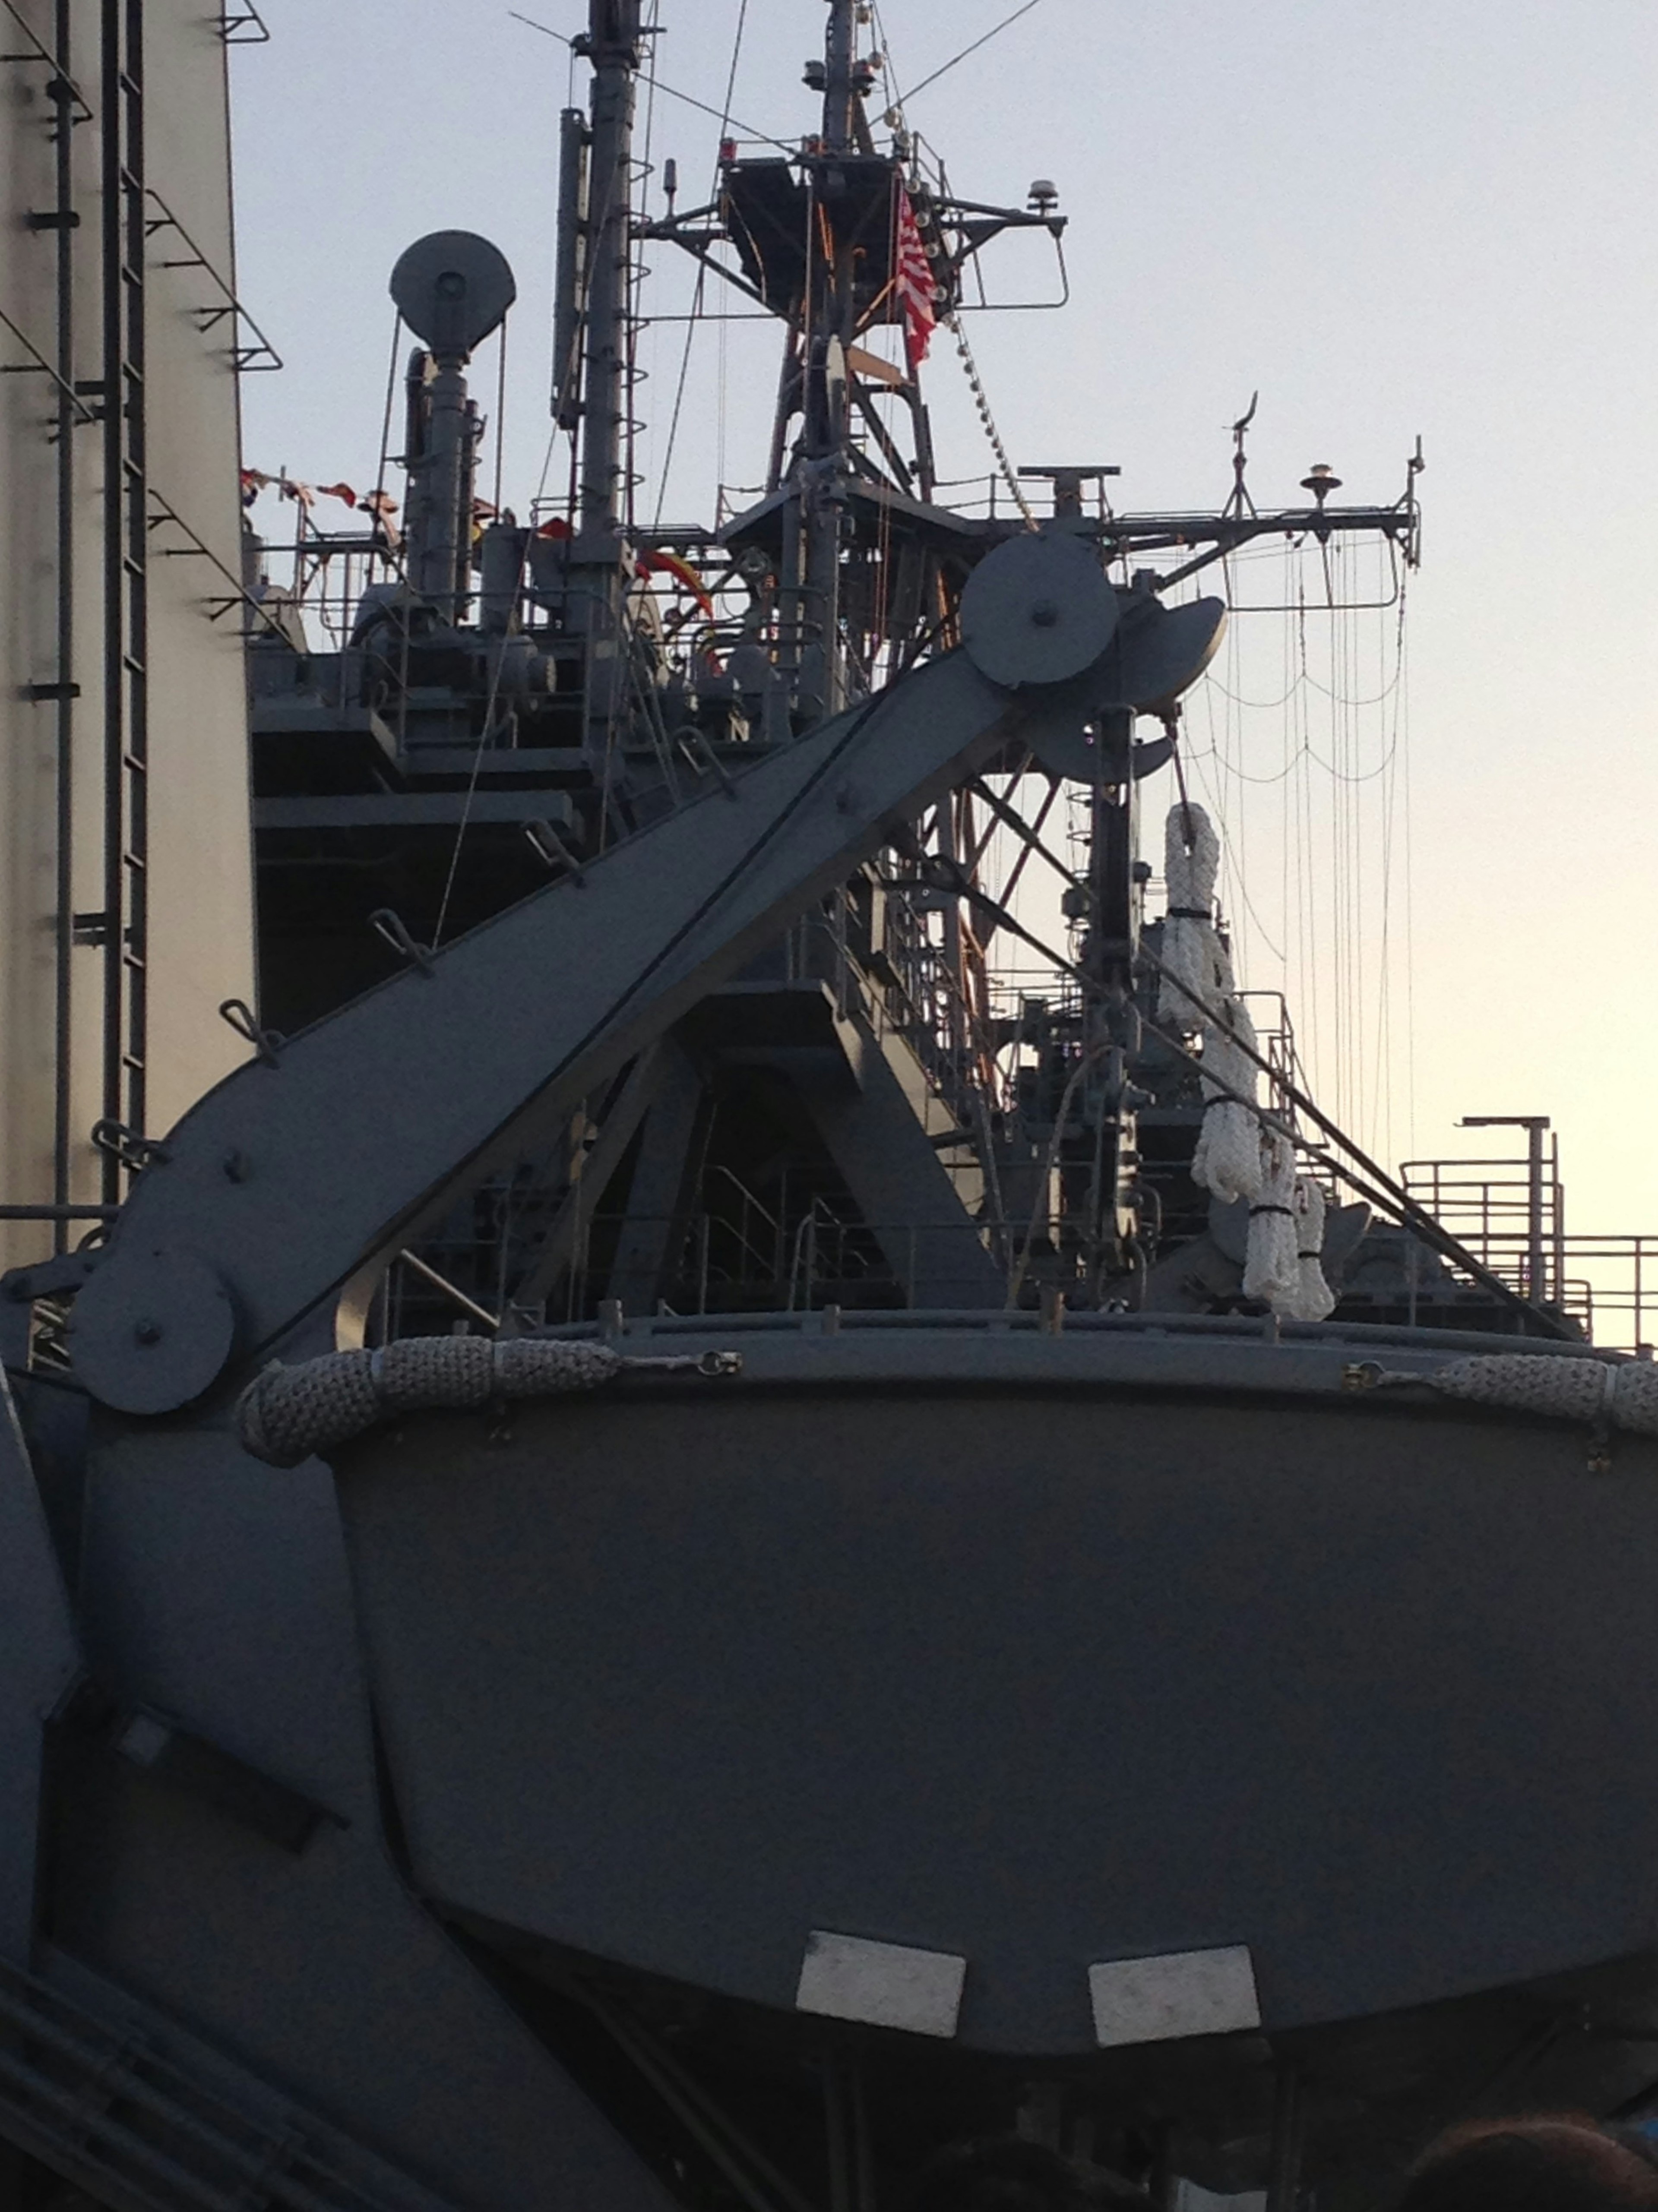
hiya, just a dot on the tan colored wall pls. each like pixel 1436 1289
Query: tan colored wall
pixel 199 876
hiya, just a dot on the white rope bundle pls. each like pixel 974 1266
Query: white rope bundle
pixel 1314 1300
pixel 1228 1158
pixel 1272 1258
pixel 1623 1394
pixel 1190 950
pixel 287 1413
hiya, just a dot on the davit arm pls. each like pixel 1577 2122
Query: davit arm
pixel 287 1178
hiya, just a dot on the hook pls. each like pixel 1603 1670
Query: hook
pixel 389 924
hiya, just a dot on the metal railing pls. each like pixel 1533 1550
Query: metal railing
pixel 744 1259
pixel 1511 1215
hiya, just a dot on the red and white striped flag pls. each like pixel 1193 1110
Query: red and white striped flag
pixel 912 281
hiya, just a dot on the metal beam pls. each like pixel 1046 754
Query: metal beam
pixel 285 1179
pixel 880 1134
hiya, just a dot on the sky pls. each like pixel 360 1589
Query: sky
pixel 1423 218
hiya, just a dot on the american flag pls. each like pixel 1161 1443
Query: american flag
pixel 912 281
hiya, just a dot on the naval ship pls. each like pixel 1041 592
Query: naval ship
pixel 659 1549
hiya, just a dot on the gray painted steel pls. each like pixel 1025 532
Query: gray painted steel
pixel 321 1972
pixel 40 1660
pixel 124 2103
pixel 288 1175
pixel 1041 1675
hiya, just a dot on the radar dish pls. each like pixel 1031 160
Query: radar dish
pixel 451 287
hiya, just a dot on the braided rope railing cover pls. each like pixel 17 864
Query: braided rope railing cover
pixel 1604 1394
pixel 287 1413
pixel 1623 1394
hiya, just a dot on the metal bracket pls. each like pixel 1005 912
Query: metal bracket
pixel 129 1146
pixel 389 924
pixel 241 1017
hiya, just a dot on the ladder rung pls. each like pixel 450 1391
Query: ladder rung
pixel 132 666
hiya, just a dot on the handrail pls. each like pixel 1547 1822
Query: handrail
pixel 242 356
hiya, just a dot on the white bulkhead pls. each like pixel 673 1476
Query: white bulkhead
pixel 100 1016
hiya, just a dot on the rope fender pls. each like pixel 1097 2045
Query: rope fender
pixel 287 1413
pixel 1605 1394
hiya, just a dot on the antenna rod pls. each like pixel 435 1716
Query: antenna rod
pixel 820 475
pixel 837 77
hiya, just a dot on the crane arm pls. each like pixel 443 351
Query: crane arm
pixel 279 1184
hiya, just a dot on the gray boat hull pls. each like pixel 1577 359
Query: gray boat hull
pixel 1035 1653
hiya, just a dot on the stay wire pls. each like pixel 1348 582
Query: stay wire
pixel 500 414
pixel 491 699
pixel 597 223
pixel 994 32
pixel 748 129
pixel 700 291
pixel 1372 1181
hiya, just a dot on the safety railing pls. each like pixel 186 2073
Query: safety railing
pixel 1513 1219
pixel 1510 1214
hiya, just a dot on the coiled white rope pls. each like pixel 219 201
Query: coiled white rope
pixel 1236 1158
pixel 1228 1158
pixel 1272 1257
pixel 1190 953
pixel 1314 1300
pixel 1198 992
pixel 287 1413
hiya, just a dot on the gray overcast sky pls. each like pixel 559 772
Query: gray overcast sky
pixel 1425 216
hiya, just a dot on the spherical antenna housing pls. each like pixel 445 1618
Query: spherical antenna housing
pixel 452 288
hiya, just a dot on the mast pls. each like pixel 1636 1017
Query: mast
pixel 837 77
pixel 821 469
pixel 612 42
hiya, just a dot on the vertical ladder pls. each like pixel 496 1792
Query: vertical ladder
pixel 70 110
pixel 126 739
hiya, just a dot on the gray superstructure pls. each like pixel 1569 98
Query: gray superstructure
pixel 659 1559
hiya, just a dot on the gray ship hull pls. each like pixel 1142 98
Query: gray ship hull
pixel 1031 1652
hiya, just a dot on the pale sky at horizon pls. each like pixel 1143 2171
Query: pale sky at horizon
pixel 1430 217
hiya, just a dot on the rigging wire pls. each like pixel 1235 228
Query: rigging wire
pixel 1368 1178
pixel 727 121
pixel 953 324
pixel 995 30
pixel 633 375
pixel 500 413
pixel 1333 845
pixel 700 291
pixel 384 461
pixel 488 726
